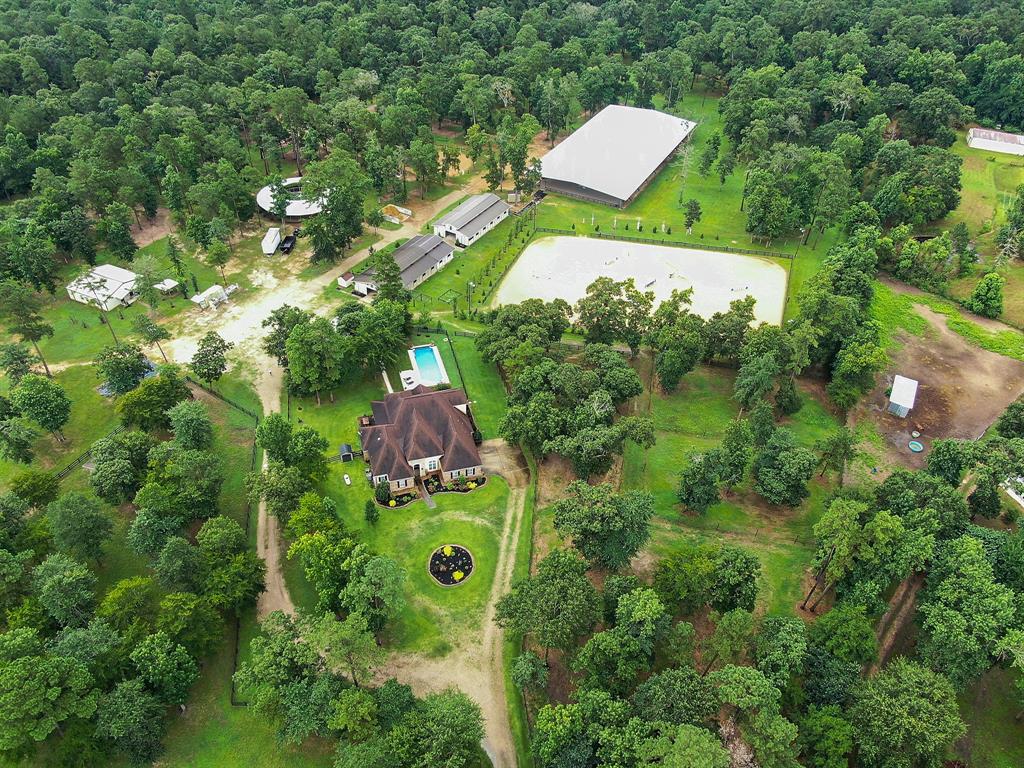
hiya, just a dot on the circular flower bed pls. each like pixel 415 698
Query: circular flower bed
pixel 450 565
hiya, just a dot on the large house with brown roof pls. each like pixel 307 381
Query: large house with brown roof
pixel 417 433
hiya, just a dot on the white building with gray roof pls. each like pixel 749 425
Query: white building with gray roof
pixel 417 258
pixel 613 156
pixel 472 219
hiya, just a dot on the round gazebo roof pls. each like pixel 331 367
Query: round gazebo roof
pixel 297 208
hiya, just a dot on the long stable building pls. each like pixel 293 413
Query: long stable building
pixel 417 258
pixel 612 157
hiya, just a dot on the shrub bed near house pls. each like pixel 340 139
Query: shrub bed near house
pixel 458 485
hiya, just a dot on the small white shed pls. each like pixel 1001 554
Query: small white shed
pixel 105 286
pixel 271 240
pixel 902 396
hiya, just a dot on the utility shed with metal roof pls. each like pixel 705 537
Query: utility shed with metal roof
pixel 996 141
pixel 473 218
pixel 902 396
pixel 612 157
pixel 418 258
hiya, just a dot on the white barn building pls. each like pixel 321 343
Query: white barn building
pixel 612 157
pixel 105 286
pixel 472 219
pixel 996 141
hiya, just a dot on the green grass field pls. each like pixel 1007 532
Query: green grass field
pixel 989 184
pixel 694 418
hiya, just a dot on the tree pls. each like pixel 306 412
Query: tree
pixel 370 512
pixel 218 255
pixel 210 360
pixel 388 278
pixel 987 297
pixel 281 322
pixel 782 470
pixel 826 738
pixel 556 605
pixel 65 589
pixel 79 526
pixel 220 538
pixel 734 631
pixel 779 649
pixel 151 332
pixel 693 214
pixel 36 486
pixel 678 696
pixel 148 405
pixel 274 435
pixel 20 309
pixel 44 401
pixel 132 719
pixel 607 528
pixel 687 747
pixel 165 667
pixel 529 672
pixel 38 693
pixel 16 361
pixel 121 367
pixel 315 358
pixel 191 425
pixel 846 632
pixel 698 482
pixel 348 644
pixel 189 620
pixel 836 450
pixel 948 459
pixel 180 566
pixel 906 715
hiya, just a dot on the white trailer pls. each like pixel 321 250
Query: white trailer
pixel 271 240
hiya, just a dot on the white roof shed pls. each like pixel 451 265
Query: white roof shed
pixel 104 286
pixel 903 395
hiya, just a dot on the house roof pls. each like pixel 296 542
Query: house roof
pixel 105 281
pixel 417 424
pixel 617 150
pixel 904 391
pixel 416 256
pixel 474 214
pixel 1001 136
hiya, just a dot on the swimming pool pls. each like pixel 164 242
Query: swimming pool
pixel 426 362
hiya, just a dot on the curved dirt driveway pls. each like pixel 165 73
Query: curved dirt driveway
pixel 476 666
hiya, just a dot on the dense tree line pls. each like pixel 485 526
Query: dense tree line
pixel 97 671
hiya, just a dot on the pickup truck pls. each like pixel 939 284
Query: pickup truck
pixel 287 244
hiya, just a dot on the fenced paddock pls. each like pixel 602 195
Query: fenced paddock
pixel 563 267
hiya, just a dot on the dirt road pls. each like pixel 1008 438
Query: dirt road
pixel 240 321
pixel 476 665
pixel 268 536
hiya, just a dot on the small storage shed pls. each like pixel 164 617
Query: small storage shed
pixel 902 396
pixel 346 280
pixel 166 285
pixel 345 452
pixel 271 240
pixel 105 286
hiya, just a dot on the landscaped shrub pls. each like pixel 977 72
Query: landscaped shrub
pixel 370 512
pixel 382 492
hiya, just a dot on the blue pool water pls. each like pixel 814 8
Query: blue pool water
pixel 426 363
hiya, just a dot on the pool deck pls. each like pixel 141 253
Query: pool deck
pixel 442 371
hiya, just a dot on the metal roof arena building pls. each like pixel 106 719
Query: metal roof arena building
pixel 614 155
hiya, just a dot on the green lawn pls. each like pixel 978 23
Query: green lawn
pixel 694 418
pixel 989 184
pixel 92 417
pixel 995 738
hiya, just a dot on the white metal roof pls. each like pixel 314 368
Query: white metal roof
pixel 904 391
pixel 297 208
pixel 616 150
pixel 105 281
pixel 1002 137
pixel 474 214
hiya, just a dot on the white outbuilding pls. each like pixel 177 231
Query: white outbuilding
pixel 902 396
pixel 211 297
pixel 473 218
pixel 996 141
pixel 271 240
pixel 105 286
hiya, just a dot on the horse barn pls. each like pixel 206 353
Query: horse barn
pixel 996 141
pixel 612 157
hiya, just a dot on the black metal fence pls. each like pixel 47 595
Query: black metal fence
pixel 80 460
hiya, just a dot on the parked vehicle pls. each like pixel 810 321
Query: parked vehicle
pixel 287 244
pixel 348 480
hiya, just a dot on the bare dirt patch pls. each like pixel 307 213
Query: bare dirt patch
pixel 962 390
pixel 157 228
